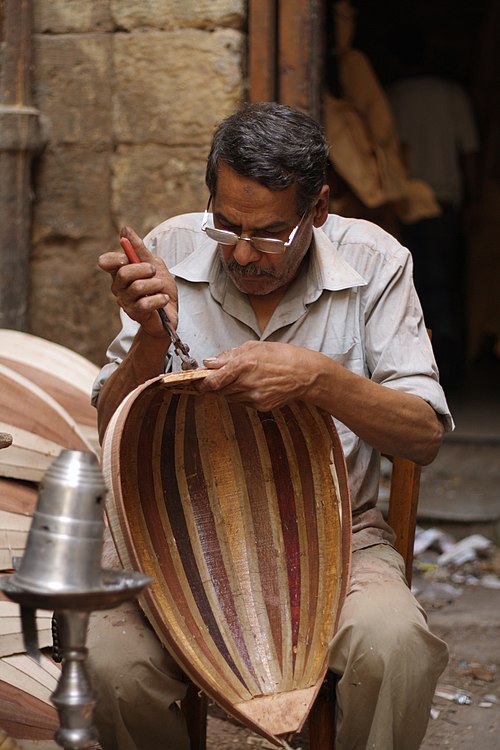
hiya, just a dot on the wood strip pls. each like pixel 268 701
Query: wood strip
pixel 39 680
pixel 48 356
pixel 266 541
pixel 29 456
pixel 270 497
pixel 287 509
pixel 26 711
pixel 233 505
pixel 327 527
pixel 173 452
pixel 24 717
pixel 262 30
pixel 18 497
pixel 72 399
pixel 158 554
pixel 11 639
pixel 40 415
pixel 193 481
pixel 159 557
pixel 307 517
pixel 12 521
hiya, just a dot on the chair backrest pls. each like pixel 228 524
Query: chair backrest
pixel 403 503
pixel 402 517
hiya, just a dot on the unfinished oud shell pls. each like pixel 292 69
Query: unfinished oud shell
pixel 242 519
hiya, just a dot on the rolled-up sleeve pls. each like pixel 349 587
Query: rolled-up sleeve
pixel 398 345
pixel 115 353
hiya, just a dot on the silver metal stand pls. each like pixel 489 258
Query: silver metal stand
pixel 60 571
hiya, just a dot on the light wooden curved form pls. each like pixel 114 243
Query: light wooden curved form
pixel 17 505
pixel 49 357
pixel 62 373
pixel 26 711
pixel 39 425
pixel 242 519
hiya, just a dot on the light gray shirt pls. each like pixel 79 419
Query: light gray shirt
pixel 355 302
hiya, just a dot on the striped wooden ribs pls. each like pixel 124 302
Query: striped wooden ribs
pixel 44 408
pixel 242 519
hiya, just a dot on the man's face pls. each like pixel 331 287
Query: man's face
pixel 247 208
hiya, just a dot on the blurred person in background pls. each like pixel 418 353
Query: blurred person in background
pixel 440 144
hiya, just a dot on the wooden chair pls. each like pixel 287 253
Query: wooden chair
pixel 402 516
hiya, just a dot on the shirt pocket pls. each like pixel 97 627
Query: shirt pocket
pixel 345 351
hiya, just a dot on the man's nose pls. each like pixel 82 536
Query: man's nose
pixel 245 253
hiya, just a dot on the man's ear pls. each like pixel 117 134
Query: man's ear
pixel 320 208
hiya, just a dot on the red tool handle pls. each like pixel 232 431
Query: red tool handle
pixel 129 250
pixel 188 363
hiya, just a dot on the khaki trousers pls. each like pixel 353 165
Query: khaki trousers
pixel 386 657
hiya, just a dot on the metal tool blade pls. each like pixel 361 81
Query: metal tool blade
pixel 30 634
pixel 180 348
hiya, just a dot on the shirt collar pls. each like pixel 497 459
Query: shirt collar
pixel 201 265
pixel 328 269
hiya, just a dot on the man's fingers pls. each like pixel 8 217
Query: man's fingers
pixel 138 247
pixel 111 261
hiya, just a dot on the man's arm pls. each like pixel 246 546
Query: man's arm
pixel 144 360
pixel 140 289
pixel 270 375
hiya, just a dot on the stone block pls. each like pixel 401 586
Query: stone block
pixel 72 193
pixel 152 183
pixel 173 87
pixel 72 86
pixel 71 16
pixel 72 300
pixel 178 13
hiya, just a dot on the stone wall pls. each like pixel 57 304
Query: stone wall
pixel 130 92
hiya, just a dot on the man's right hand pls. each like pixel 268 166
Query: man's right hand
pixel 142 288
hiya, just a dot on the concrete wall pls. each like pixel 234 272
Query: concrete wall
pixel 130 92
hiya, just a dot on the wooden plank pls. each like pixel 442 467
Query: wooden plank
pixel 294 53
pixel 26 710
pixel 11 637
pixel 29 456
pixel 18 497
pixel 45 355
pixel 301 44
pixel 23 404
pixel 262 50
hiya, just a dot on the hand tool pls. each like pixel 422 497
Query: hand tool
pixel 180 348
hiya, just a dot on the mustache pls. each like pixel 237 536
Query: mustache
pixel 252 269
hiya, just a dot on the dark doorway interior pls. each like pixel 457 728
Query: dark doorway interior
pixel 463 44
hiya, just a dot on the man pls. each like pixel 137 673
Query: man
pixel 282 302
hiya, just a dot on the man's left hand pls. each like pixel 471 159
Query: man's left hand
pixel 261 374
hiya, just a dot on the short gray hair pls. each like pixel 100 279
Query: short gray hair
pixel 274 144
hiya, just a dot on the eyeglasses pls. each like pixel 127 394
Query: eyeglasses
pixel 262 244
